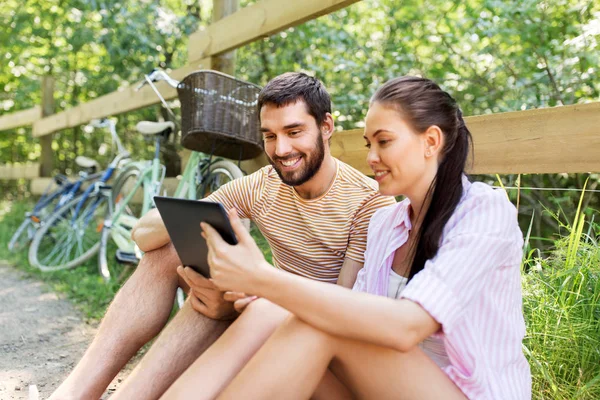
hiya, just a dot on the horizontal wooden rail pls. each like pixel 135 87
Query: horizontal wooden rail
pixel 20 118
pixel 550 140
pixel 113 104
pixel 546 140
pixel 256 21
pixel 19 171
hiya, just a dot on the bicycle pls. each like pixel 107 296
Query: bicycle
pixel 66 239
pixel 203 173
pixel 51 200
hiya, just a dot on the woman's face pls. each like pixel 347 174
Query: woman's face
pixel 402 160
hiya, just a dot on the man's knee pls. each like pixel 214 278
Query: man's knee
pixel 163 260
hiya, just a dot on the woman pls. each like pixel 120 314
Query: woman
pixel 436 310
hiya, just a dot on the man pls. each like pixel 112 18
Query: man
pixel 312 209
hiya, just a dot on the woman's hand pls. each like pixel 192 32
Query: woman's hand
pixel 234 268
pixel 240 300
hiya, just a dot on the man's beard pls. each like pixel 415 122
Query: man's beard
pixel 311 166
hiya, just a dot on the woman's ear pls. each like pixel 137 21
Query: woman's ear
pixel 434 139
pixel 327 126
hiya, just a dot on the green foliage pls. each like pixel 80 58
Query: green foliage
pixel 91 48
pixel 491 55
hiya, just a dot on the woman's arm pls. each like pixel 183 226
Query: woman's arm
pixel 399 324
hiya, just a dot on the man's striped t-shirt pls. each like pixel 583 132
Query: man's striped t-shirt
pixel 310 238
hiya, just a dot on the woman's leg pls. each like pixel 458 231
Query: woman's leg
pixel 292 364
pixel 212 371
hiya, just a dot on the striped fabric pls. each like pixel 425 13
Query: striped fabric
pixel 472 287
pixel 310 238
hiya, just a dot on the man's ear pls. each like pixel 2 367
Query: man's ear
pixel 327 126
pixel 433 141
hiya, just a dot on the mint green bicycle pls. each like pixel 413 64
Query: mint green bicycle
pixel 218 118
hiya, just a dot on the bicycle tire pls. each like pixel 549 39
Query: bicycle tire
pixel 133 171
pixel 103 268
pixel 219 173
pixel 59 225
pixel 16 241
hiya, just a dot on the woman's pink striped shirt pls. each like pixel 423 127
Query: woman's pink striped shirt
pixel 472 287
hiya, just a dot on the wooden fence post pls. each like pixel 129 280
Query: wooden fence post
pixel 48 108
pixel 224 62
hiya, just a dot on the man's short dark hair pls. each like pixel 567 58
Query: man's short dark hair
pixel 291 87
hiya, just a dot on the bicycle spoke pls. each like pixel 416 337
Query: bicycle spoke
pixel 64 256
pixel 57 245
pixel 58 250
pixel 63 247
pixel 80 245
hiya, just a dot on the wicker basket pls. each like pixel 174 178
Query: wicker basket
pixel 219 115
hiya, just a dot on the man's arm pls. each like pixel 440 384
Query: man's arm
pixel 149 233
pixel 349 272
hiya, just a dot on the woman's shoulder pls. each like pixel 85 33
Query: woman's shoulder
pixel 484 210
pixel 389 215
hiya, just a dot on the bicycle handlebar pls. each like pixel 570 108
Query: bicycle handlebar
pixel 155 76
pixel 112 127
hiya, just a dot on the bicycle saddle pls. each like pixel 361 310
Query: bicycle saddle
pixel 87 163
pixel 154 128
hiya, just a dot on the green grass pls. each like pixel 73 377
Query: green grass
pixel 561 297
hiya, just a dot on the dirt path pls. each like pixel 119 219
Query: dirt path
pixel 41 337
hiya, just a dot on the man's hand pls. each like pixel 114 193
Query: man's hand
pixel 240 300
pixel 205 297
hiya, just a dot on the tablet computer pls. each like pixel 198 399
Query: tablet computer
pixel 182 219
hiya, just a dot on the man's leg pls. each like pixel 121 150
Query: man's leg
pixel 183 340
pixel 137 314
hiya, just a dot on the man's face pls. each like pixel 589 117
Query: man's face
pixel 293 142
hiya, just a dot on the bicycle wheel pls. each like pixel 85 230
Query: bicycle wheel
pixel 120 231
pixel 44 207
pixel 219 173
pixel 22 236
pixel 69 237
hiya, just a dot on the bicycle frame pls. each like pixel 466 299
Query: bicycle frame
pixel 188 185
pixel 105 175
pixel 151 177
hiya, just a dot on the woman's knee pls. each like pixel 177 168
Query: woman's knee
pixel 297 328
pixel 263 309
